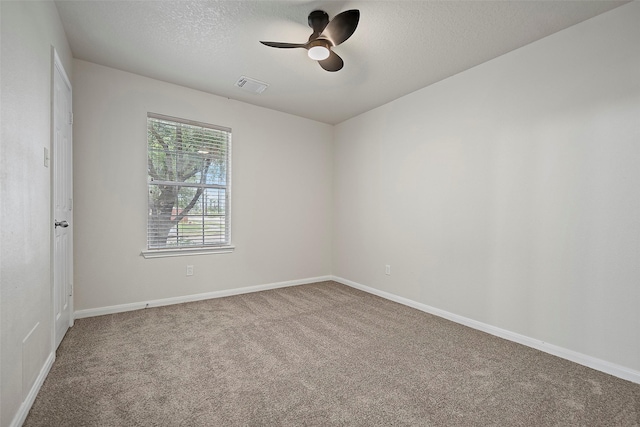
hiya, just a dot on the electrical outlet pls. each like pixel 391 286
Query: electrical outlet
pixel 189 270
pixel 387 270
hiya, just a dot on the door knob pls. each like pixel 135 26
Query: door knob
pixel 63 224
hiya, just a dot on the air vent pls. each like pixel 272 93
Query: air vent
pixel 251 85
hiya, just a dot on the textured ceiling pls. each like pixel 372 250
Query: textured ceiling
pixel 399 46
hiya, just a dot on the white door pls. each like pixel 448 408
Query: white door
pixel 62 202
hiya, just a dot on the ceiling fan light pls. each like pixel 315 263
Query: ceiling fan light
pixel 318 53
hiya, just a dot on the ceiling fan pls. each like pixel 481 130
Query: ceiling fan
pixel 326 35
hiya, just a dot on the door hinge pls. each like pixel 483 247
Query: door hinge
pixel 70 118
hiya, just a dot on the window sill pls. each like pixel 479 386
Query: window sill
pixel 163 253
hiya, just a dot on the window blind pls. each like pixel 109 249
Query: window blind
pixel 189 170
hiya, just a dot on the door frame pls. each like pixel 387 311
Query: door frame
pixel 56 64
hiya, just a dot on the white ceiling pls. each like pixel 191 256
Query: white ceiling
pixel 399 46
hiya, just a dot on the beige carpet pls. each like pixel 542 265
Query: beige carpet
pixel 314 355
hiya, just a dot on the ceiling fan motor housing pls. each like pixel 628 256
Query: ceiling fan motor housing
pixel 320 42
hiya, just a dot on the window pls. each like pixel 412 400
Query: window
pixel 189 170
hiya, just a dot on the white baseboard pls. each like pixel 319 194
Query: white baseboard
pixel 23 411
pixel 91 312
pixel 582 359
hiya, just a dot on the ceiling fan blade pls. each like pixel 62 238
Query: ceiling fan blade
pixel 318 20
pixel 284 45
pixel 342 26
pixel 332 63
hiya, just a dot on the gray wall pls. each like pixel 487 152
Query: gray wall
pixel 281 192
pixel 508 194
pixel 29 30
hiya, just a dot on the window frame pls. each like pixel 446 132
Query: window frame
pixel 203 249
